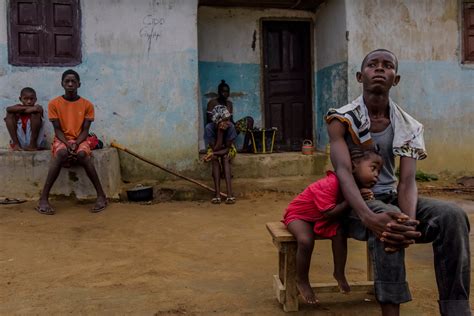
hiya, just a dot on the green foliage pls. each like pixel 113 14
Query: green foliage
pixel 421 176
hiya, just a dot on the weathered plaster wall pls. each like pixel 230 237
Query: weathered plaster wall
pixel 331 75
pixel 140 70
pixel 435 87
pixel 229 42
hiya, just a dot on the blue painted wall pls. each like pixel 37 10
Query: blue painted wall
pixel 331 91
pixel 133 104
pixel 440 94
pixel 244 82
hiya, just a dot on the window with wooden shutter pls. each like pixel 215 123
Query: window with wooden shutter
pixel 44 33
pixel 468 45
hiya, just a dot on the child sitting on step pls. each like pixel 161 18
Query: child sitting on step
pixel 317 211
pixel 25 123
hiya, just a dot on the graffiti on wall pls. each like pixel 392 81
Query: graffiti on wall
pixel 151 29
pixel 152 23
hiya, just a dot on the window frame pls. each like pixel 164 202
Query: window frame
pixel 47 33
pixel 465 5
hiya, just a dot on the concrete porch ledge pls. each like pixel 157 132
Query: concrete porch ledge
pixel 24 173
pixel 278 165
pixel 243 166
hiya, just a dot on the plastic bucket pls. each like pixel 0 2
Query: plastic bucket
pixel 307 148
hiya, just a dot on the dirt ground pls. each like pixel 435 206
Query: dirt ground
pixel 174 258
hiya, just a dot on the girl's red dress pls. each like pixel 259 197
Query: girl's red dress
pixel 310 205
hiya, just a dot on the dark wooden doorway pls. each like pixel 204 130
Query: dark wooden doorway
pixel 287 82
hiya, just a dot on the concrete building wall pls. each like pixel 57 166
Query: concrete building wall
pixel 229 42
pixel 139 68
pixel 435 87
pixel 331 75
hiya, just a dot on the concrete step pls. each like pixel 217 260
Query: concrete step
pixel 243 166
pixel 24 174
pixel 181 190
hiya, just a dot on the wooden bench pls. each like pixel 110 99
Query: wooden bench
pixel 284 283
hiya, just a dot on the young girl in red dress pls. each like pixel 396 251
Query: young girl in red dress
pixel 316 212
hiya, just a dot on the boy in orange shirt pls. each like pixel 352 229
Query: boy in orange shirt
pixel 71 116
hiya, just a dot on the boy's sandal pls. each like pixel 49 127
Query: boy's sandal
pixel 216 200
pixel 45 211
pixel 97 209
pixel 230 200
pixel 11 201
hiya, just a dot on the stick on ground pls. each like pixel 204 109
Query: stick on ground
pixel 128 151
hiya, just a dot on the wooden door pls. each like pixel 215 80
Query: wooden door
pixel 287 82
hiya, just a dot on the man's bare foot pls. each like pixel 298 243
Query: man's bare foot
pixel 16 147
pixel 100 204
pixel 344 287
pixel 307 293
pixel 44 208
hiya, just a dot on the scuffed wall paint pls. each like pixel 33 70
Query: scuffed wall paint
pixel 332 93
pixel 3 23
pixel 440 95
pixel 331 75
pixel 140 70
pixel 330 33
pixel 229 49
pixel 435 88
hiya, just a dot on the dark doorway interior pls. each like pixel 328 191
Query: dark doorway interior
pixel 287 82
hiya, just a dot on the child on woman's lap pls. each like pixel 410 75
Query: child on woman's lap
pixel 316 212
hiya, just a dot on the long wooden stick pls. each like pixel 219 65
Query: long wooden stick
pixel 128 151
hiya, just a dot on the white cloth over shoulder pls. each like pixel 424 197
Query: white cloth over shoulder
pixel 408 133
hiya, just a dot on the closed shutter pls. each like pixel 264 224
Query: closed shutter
pixel 26 32
pixel 62 21
pixel 469 32
pixel 44 32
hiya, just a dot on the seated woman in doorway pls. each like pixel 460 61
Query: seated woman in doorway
pixel 241 126
pixel 219 136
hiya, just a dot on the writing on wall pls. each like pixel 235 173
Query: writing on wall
pixel 152 23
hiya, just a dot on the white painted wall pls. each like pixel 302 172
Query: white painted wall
pixel 3 21
pixel 226 34
pixel 121 26
pixel 422 30
pixel 330 31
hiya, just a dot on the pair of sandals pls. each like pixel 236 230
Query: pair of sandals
pixel 228 200
pixel 50 211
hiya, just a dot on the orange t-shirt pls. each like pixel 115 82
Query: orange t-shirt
pixel 71 114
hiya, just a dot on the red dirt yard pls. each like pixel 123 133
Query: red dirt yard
pixel 173 258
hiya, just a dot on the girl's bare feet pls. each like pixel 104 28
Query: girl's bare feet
pixel 344 287
pixel 307 293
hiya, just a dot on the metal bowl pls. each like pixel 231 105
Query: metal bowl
pixel 140 193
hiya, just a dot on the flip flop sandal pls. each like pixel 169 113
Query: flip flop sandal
pixel 230 200
pixel 47 211
pixel 216 200
pixel 11 201
pixel 98 209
